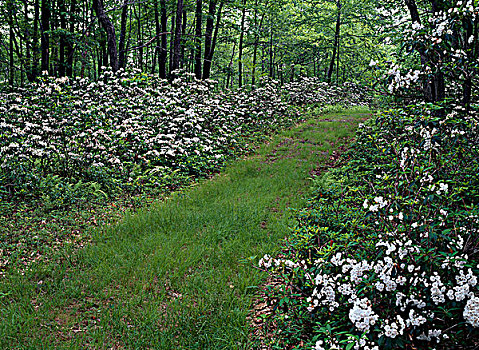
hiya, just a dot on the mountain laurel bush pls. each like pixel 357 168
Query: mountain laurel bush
pixel 386 255
pixel 69 140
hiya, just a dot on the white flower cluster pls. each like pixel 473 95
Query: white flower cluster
pixel 333 344
pixel 399 81
pixel 362 315
pixel 400 279
pixel 379 203
pixel 315 91
pixel 85 127
pixel 471 311
pixel 268 262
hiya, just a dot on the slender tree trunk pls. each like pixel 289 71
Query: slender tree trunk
pixel 336 41
pixel 183 38
pixel 208 37
pixel 63 25
pixel 140 39
pixel 69 69
pixel 104 50
pixel 164 42
pixel 255 56
pixel 45 40
pixel 35 49
pixel 28 59
pixel 100 61
pixel 338 61
pixel 158 37
pixel 256 43
pixel 281 74
pixel 271 53
pixel 177 42
pixel 122 39
pixel 110 33
pixel 428 87
pixel 199 15
pixel 215 35
pixel 172 41
pixel 53 69
pixel 212 42
pixel 240 53
pixel 230 66
pixel 11 66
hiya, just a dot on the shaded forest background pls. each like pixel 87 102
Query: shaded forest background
pixel 235 42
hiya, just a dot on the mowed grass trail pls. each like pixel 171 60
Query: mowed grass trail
pixel 176 275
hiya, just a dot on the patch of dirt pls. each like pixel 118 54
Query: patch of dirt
pixel 334 161
pixel 263 307
pixel 275 155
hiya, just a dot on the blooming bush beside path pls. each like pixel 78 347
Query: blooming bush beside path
pixel 386 255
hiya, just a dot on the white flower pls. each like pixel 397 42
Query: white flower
pixel 362 315
pixel 365 204
pixel 471 312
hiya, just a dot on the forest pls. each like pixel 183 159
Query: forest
pixel 239 174
pixel 234 42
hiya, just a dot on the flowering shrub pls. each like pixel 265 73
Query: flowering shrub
pixel 386 255
pixel 309 91
pixel 70 140
pixel 436 46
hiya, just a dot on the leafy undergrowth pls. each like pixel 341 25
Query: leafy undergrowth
pixel 178 273
pixel 75 153
pixel 386 254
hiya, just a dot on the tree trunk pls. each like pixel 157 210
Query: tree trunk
pixel 230 66
pixel 271 53
pixel 183 38
pixel 212 42
pixel 240 53
pixel 140 39
pixel 208 37
pixel 338 57
pixel 199 15
pixel 45 40
pixel 336 41
pixel 433 88
pixel 53 60
pixel 69 69
pixel 164 42
pixel 122 39
pixel 172 41
pixel 470 28
pixel 35 50
pixel 104 50
pixel 11 66
pixel 158 38
pixel 63 25
pixel 177 42
pixel 110 33
pixel 256 43
pixel 28 42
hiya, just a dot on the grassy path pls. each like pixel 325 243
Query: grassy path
pixel 178 274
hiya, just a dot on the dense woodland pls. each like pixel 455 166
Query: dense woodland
pixel 235 42
pixel 369 108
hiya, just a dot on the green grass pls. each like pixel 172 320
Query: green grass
pixel 178 274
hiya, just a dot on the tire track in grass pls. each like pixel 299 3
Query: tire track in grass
pixel 177 275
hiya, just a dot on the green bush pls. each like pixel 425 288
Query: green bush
pixel 134 133
pixel 386 255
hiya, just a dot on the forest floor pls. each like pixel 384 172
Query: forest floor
pixel 179 273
